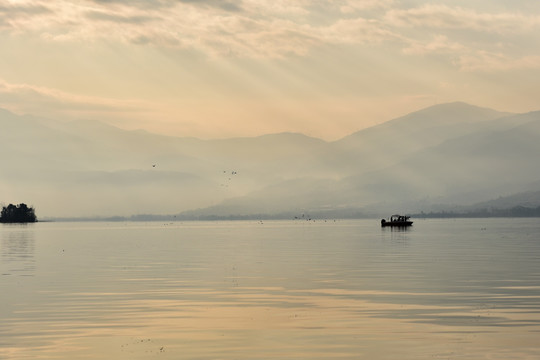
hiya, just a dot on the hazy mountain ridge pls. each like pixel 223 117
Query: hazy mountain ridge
pixel 461 169
pixel 450 153
pixel 395 140
pixel 530 199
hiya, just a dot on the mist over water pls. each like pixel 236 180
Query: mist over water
pixel 443 289
pixel 451 157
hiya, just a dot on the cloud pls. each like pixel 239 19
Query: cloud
pixel 219 4
pixel 251 28
pixel 17 15
pixel 483 61
pixel 26 98
pixel 263 29
pixel 22 9
pixel 356 31
pixel 439 44
pixel 472 40
pixel 102 16
pixel 353 6
pixel 445 17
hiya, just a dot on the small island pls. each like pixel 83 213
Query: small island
pixel 17 214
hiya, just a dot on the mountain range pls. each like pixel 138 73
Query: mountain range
pixel 444 156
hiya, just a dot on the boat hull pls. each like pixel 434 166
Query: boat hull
pixel 396 223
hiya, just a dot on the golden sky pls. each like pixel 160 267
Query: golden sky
pixel 223 68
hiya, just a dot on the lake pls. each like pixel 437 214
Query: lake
pixel 335 289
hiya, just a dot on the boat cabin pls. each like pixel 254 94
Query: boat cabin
pixel 397 220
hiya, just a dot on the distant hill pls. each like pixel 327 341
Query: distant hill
pixel 450 154
pixel 395 140
pixel 476 161
pixel 530 199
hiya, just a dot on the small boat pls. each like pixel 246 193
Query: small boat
pixel 396 220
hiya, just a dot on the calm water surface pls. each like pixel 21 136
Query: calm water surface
pixel 444 289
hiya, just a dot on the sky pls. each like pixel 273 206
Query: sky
pixel 223 68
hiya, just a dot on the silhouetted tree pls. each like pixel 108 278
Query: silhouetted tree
pixel 17 214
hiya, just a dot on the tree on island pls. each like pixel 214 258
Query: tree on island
pixel 17 214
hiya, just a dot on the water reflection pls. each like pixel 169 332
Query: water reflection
pixel 396 235
pixel 396 228
pixel 278 290
pixel 188 322
pixel 17 250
